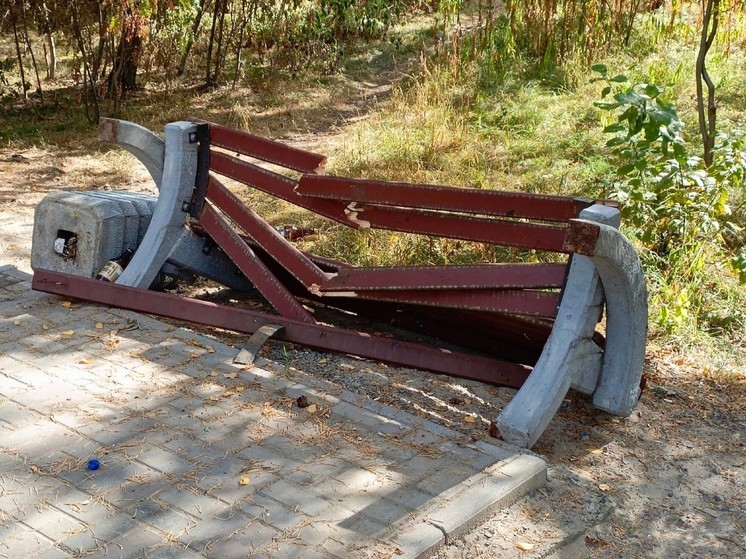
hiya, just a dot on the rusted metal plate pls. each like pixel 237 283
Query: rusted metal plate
pixel 582 237
pixel 494 231
pixel 424 196
pixel 248 352
pixel 513 301
pixel 264 149
pixel 203 171
pixel 253 268
pixel 484 276
pixel 454 363
pixel 293 260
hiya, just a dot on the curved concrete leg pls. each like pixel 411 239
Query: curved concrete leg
pixel 626 325
pixel 167 223
pixel 570 358
pixel 138 140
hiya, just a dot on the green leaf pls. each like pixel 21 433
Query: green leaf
pixel 606 106
pixel 616 141
pixel 652 90
pixel 600 68
pixel 629 97
pixel 620 78
pixel 605 91
pixel 613 128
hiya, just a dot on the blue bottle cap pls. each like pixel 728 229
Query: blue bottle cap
pixel 93 464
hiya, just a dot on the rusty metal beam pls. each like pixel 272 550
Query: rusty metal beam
pixel 293 260
pixel 253 268
pixel 484 276
pixel 264 149
pixel 494 231
pixel 425 196
pixel 454 363
pixel 510 301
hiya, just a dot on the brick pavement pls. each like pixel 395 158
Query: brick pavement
pixel 201 458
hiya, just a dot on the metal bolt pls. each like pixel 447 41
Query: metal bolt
pixel 192 137
pixel 185 207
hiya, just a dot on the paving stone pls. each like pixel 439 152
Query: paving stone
pixel 315 471
pixel 53 523
pixel 295 497
pixel 294 550
pixel 135 544
pixel 242 543
pixel 270 458
pixel 162 515
pixel 274 513
pixel 163 460
pixel 16 415
pixel 53 553
pixel 220 528
pixel 23 490
pixel 191 502
pixel 81 506
pixel 97 535
pixel 24 542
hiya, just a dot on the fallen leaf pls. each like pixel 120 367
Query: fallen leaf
pixel 312 408
pixel 228 393
pixel 16 322
pixel 99 325
pixel 86 361
pixel 470 419
pixel 45 326
pixel 68 332
pixel 244 480
pixel 604 487
pixel 323 361
pixel 525 546
pixel 595 542
pixel 239 388
pixel 66 304
pixel 230 375
pixel 492 431
pixel 213 374
pixel 597 451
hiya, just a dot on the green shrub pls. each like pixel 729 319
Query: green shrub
pixel 675 205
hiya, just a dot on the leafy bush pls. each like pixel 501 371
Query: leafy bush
pixel 676 206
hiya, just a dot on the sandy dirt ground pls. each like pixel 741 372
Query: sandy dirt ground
pixel 666 482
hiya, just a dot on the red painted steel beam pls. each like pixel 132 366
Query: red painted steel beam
pixel 484 276
pixel 493 231
pixel 409 354
pixel 293 260
pixel 253 268
pixel 264 149
pixel 424 196
pixel 510 301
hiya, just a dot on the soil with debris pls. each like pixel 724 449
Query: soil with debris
pixel 666 482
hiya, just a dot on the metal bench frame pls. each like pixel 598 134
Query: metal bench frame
pixel 201 226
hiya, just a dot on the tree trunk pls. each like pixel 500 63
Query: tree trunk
pixel 191 39
pixel 209 78
pixel 18 54
pixel 52 56
pixel 707 114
